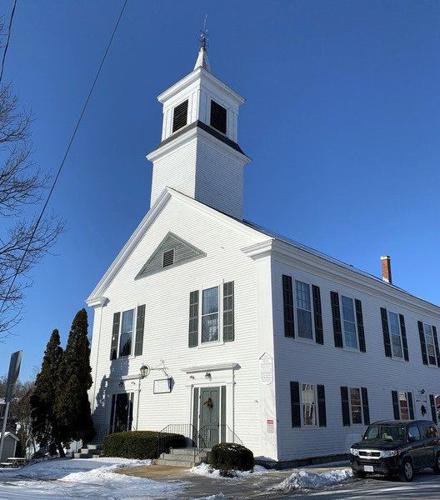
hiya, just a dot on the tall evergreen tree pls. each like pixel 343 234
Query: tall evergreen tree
pixel 43 398
pixel 72 406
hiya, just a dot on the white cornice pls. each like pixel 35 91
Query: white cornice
pixel 199 74
pixel 185 138
pixel 211 368
pixel 99 301
pixel 338 273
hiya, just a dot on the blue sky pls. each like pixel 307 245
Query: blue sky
pixel 342 122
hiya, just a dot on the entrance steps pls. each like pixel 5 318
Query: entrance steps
pixel 90 451
pixel 183 457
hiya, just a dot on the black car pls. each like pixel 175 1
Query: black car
pixel 397 447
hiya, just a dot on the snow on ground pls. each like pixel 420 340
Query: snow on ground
pixel 206 470
pixel 306 479
pixel 80 478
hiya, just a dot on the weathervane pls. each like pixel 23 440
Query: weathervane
pixel 204 35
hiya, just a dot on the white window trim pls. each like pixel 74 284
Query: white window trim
pixel 407 402
pixel 433 343
pixel 296 316
pixel 133 335
pixel 391 336
pixel 345 346
pixel 350 407
pixel 315 395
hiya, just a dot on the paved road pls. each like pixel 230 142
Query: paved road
pixel 425 486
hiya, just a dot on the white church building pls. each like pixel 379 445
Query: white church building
pixel 208 322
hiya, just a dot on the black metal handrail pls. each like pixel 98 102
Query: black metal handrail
pixel 225 434
pixel 193 439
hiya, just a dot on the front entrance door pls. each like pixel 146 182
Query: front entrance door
pixel 121 412
pixel 209 416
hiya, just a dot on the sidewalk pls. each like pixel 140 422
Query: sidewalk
pixel 270 484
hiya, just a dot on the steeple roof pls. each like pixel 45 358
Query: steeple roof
pixel 202 59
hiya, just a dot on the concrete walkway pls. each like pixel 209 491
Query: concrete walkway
pixel 195 486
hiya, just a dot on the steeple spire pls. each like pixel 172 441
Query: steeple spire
pixel 202 58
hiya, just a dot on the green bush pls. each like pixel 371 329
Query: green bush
pixel 139 444
pixel 231 456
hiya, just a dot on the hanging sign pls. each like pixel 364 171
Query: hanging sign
pixel 162 386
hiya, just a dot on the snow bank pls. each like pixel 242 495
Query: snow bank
pixel 81 478
pixel 206 470
pixel 306 479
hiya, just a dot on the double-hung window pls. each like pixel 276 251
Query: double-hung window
pixel 210 315
pixel 403 406
pixel 430 345
pixel 396 336
pixel 304 310
pixel 355 405
pixel 308 404
pixel 349 322
pixel 126 335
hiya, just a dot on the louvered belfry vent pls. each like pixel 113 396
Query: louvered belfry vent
pixel 218 117
pixel 180 117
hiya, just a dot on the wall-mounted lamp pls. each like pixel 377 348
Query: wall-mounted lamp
pixel 208 376
pixel 144 371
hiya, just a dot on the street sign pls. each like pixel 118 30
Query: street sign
pixel 14 371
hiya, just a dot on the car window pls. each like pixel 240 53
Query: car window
pixel 385 432
pixel 431 431
pixel 413 433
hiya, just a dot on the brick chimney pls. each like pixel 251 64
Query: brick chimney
pixel 386 268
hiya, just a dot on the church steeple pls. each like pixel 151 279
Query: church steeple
pixel 199 154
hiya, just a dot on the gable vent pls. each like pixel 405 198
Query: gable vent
pixel 218 117
pixel 180 116
pixel 168 258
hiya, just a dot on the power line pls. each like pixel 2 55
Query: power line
pixel 63 161
pixel 11 19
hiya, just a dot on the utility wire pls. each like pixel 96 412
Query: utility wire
pixel 11 19
pixel 63 161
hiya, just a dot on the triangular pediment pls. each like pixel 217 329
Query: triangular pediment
pixel 172 251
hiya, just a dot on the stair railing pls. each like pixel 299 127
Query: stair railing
pixel 218 433
pixel 193 439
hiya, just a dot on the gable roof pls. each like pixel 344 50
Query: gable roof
pixel 96 297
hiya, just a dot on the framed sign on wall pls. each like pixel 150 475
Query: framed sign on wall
pixel 162 386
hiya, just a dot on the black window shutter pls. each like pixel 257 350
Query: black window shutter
pixel 336 312
pixel 193 330
pixel 345 406
pixel 422 343
pixel 322 414
pixel 360 325
pixel 317 313
pixel 433 408
pixel 295 404
pixel 112 414
pixel 386 333
pixel 228 312
pixel 140 322
pixel 396 405
pixel 289 328
pixel 437 352
pixel 180 116
pixel 365 406
pixel 115 335
pixel 404 339
pixel 195 416
pixel 410 405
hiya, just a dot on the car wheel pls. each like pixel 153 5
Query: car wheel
pixel 437 464
pixel 359 474
pixel 406 471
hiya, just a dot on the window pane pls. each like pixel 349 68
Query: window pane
pixel 210 328
pixel 429 339
pixel 308 404
pixel 210 301
pixel 349 323
pixel 304 308
pixel 125 340
pixel 210 315
pixel 403 406
pixel 356 406
pixel 396 340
